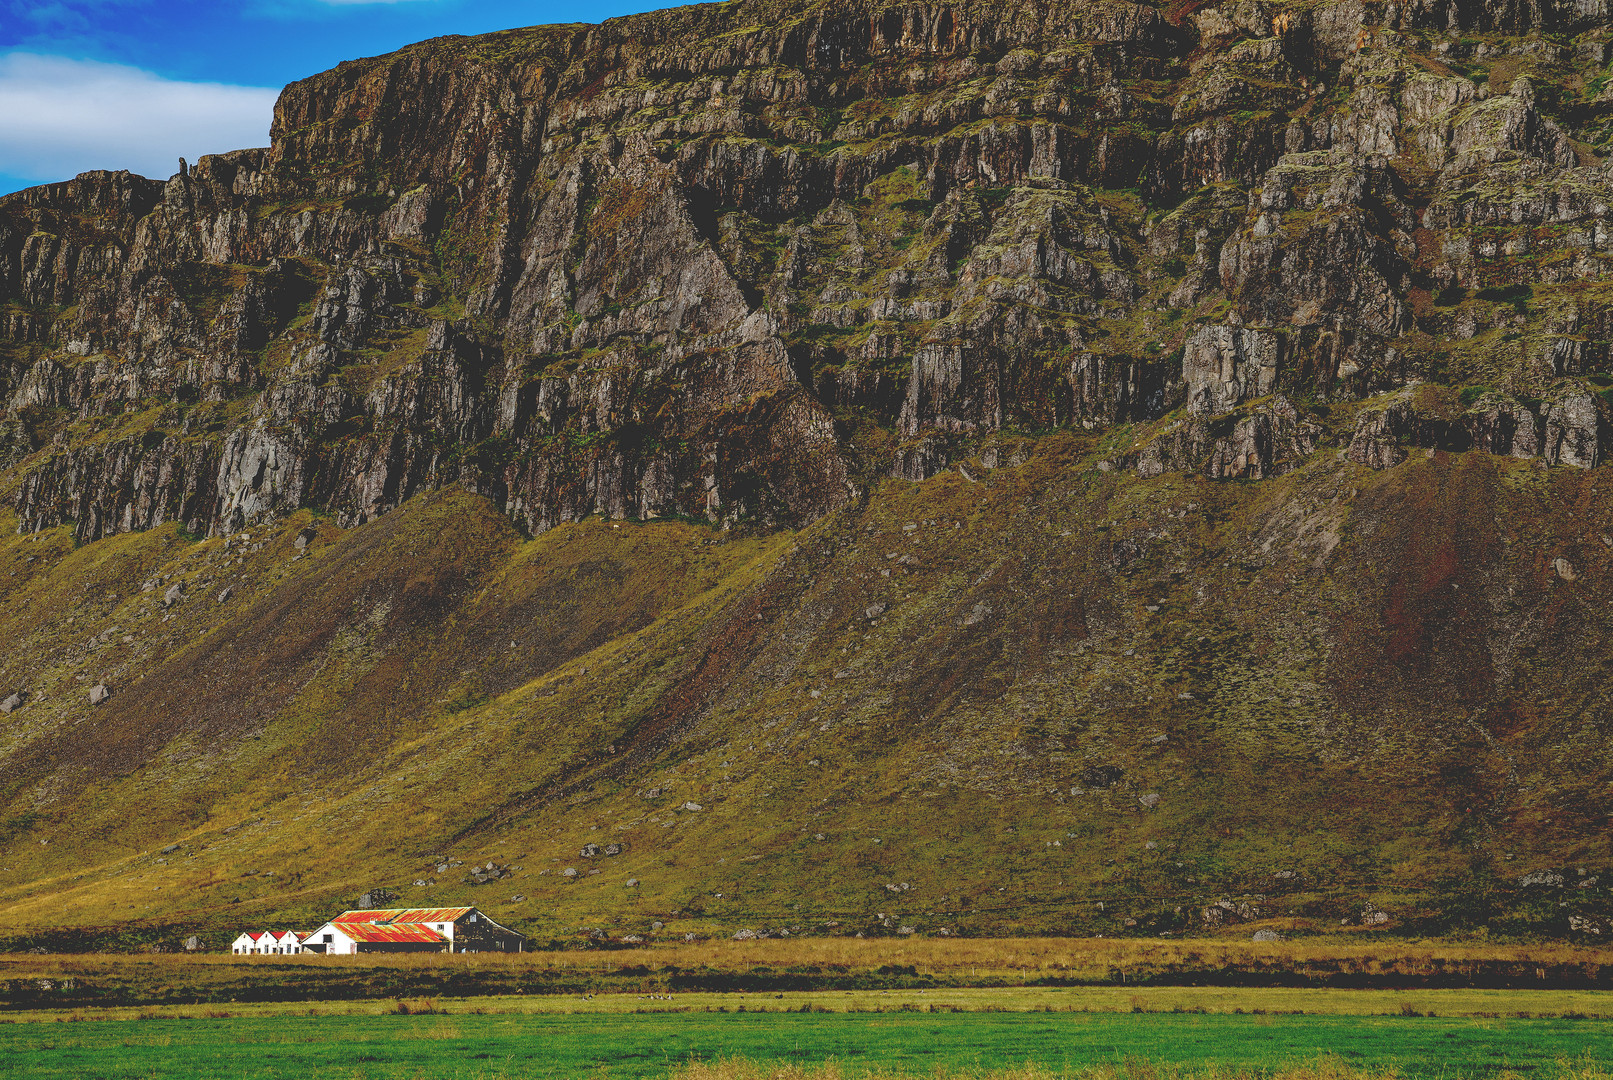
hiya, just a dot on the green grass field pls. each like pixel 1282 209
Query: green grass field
pixel 630 1046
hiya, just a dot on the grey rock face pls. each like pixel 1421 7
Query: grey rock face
pixel 99 693
pixel 11 704
pixel 1569 431
pixel 1227 911
pixel 1574 431
pixel 1269 440
pixel 1375 443
pixel 668 298
pixel 1224 366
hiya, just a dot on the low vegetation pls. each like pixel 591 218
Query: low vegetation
pixel 808 966
pixel 1195 1000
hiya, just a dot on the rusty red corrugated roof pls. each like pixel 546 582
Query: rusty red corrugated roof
pixel 390 932
pixel 403 915
pixel 440 914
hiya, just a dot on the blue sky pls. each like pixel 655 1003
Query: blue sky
pixel 136 84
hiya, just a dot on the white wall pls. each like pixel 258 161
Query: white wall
pixel 340 944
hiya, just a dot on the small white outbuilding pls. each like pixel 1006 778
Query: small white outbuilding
pixel 268 943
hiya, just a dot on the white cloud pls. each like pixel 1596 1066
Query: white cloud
pixel 60 117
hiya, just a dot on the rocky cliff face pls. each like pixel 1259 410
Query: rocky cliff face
pixel 653 267
pixel 749 264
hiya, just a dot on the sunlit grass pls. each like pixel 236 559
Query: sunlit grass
pixel 433 1044
pixel 1325 1067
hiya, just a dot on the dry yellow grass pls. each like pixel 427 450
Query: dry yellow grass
pixel 840 975
pixel 956 960
pixel 1212 1001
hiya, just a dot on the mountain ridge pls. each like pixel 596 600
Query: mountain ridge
pixel 1100 468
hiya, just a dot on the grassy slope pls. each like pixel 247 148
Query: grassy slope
pixel 1373 681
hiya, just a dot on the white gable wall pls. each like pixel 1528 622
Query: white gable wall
pixel 336 943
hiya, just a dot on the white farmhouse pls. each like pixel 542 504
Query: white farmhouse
pixel 453 929
pixel 337 938
pixel 456 929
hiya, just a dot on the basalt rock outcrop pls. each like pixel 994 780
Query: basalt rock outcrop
pixel 659 266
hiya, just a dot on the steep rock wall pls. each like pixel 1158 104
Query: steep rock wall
pixel 662 265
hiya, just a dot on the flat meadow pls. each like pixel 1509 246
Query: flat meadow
pixel 442 1045
pixel 827 1010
